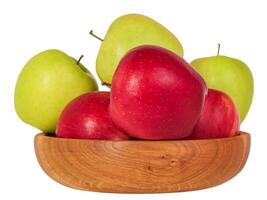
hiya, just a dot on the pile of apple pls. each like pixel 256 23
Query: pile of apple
pixel 155 94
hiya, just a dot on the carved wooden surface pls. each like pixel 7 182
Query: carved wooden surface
pixel 142 166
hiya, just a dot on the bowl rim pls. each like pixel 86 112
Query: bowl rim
pixel 47 135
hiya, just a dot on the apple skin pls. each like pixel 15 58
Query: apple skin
pixel 87 117
pixel 49 81
pixel 229 75
pixel 129 31
pixel 155 94
pixel 219 117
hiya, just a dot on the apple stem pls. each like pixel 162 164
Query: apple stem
pixel 94 35
pixel 106 84
pixel 79 60
pixel 218 51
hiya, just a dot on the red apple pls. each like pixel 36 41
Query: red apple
pixel 219 117
pixel 86 117
pixel 155 94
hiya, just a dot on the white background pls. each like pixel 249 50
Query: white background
pixel 30 26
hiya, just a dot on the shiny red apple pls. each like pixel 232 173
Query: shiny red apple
pixel 219 117
pixel 155 94
pixel 86 117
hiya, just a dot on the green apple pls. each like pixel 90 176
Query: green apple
pixel 229 75
pixel 46 84
pixel 127 32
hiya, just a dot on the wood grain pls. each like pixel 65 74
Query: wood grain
pixel 142 166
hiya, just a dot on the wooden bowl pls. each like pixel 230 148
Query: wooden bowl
pixel 142 166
